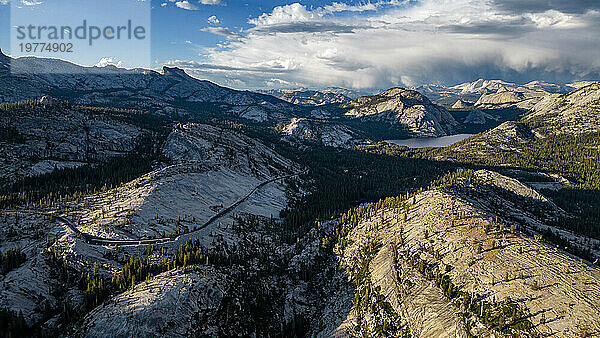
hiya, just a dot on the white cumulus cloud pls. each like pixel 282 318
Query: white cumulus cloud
pixel 31 2
pixel 106 61
pixel 285 14
pixel 187 5
pixel 380 44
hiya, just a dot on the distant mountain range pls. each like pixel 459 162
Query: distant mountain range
pixel 424 111
pixel 33 78
pixel 471 92
pixel 307 97
pixel 172 91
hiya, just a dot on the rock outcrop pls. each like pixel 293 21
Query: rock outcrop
pixel 51 135
pixel 186 296
pixel 477 116
pixel 460 104
pixel 506 96
pixel 323 132
pixel 574 113
pixel 408 109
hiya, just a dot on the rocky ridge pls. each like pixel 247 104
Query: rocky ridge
pixel 31 78
pixel 43 137
pixel 519 97
pixel 495 93
pixel 573 113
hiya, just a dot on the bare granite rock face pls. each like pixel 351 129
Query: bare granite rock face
pixel 475 245
pixel 174 304
pixel 212 146
pixel 573 113
pixel 521 97
pixel 323 132
pixel 211 169
pixel 48 101
pixel 406 108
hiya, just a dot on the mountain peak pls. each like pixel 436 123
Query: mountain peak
pixel 174 71
pixel 397 106
pixel 406 94
pixel 395 91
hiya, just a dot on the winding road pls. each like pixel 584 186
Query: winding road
pixel 95 240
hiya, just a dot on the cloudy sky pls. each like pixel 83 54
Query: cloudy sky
pixel 376 44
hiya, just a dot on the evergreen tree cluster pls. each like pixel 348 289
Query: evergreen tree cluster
pixel 12 258
pixel 375 316
pixel 95 289
pixel 10 134
pixel 341 179
pixel 141 269
pixel 7 108
pixel 14 325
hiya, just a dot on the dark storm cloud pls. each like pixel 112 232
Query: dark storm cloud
pixel 516 41
pixel 538 6
pixel 452 72
pixel 511 29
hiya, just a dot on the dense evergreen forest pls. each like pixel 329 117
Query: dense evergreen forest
pixel 341 179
